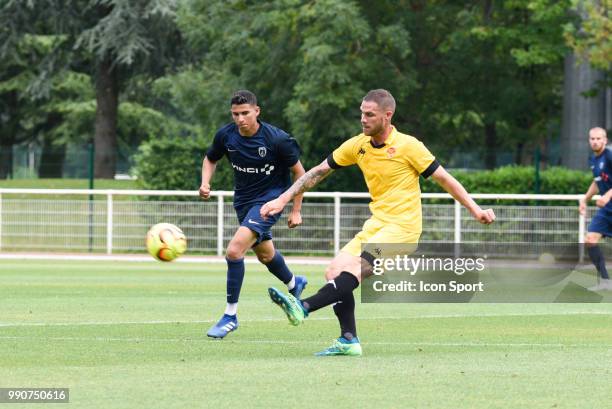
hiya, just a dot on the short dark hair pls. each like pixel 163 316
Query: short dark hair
pixel 382 97
pixel 243 97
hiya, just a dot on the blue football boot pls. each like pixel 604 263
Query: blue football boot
pixel 300 284
pixel 226 324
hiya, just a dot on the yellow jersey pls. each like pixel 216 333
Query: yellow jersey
pixel 391 172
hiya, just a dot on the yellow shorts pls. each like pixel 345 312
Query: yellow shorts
pixel 375 231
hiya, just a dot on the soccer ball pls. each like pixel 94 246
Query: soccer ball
pixel 165 242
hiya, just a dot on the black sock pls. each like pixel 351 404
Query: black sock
pixel 598 259
pixel 331 292
pixel 345 311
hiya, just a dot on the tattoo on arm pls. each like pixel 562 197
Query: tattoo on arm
pixel 308 180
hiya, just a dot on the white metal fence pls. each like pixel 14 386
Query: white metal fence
pixel 81 220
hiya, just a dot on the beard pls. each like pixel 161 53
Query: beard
pixel 373 130
pixel 597 148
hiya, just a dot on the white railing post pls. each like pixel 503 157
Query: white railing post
pixel 581 233
pixel 336 223
pixel 457 235
pixel 109 223
pixel 457 238
pixel 220 205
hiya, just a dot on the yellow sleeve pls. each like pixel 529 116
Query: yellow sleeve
pixel 419 156
pixel 346 154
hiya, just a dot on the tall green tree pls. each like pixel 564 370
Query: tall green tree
pixel 591 39
pixel 111 40
pixel 489 74
pixel 26 116
pixel 310 63
pixel 13 83
pixel 471 76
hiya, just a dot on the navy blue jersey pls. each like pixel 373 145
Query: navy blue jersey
pixel 601 166
pixel 261 162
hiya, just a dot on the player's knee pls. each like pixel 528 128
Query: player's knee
pixel 331 272
pixel 234 251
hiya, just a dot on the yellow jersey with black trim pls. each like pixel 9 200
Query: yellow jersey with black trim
pixel 391 172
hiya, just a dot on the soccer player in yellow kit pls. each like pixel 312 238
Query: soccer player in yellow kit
pixel 391 163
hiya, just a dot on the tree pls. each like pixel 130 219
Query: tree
pixel 12 82
pixel 111 40
pixel 489 74
pixel 486 76
pixel 482 76
pixel 592 41
pixel 23 115
pixel 310 64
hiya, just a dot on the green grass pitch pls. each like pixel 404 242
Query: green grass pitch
pixel 132 335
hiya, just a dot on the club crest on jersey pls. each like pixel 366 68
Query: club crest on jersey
pixel 390 152
pixel 601 165
pixel 262 151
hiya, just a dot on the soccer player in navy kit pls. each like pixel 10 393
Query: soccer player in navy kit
pixel 262 157
pixel 601 224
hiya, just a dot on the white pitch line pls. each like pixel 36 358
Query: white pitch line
pixel 283 342
pixel 145 258
pixel 95 323
pixel 270 319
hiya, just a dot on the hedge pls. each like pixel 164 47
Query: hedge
pixel 519 179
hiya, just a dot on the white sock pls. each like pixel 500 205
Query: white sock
pixel 231 309
pixel 291 284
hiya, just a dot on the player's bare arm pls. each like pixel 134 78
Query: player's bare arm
pixel 582 206
pixel 208 170
pixel 457 191
pixel 295 217
pixel 604 199
pixel 309 180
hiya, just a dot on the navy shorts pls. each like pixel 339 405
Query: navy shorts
pixel 248 216
pixel 602 222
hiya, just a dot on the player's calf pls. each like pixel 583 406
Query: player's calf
pixel 331 292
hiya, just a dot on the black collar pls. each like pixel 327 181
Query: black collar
pixel 382 145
